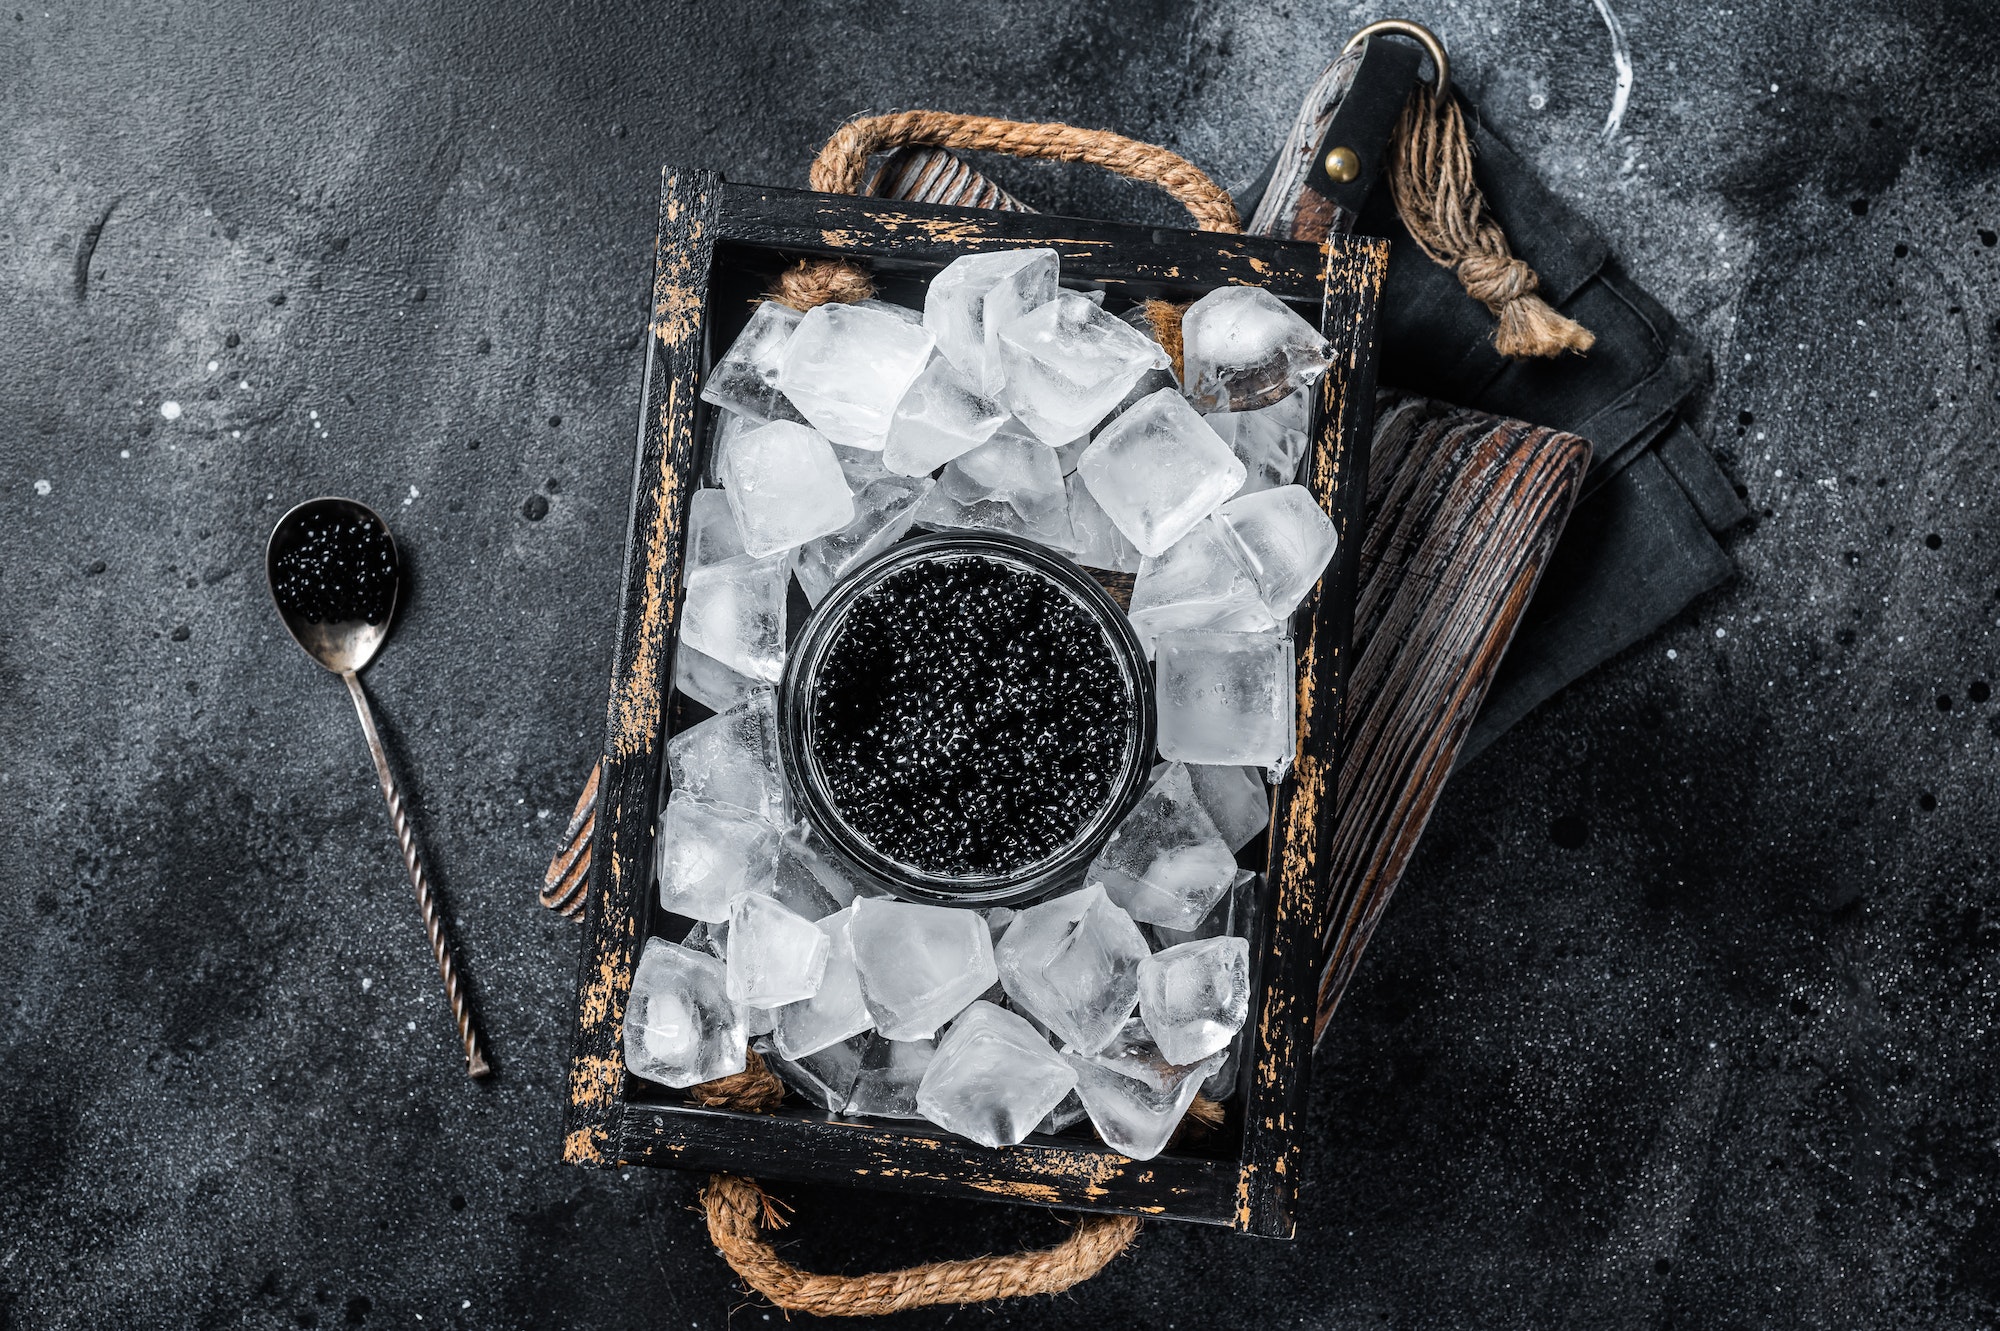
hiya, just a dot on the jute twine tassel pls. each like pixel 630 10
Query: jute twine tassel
pixel 1430 177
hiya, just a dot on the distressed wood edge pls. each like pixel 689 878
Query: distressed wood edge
pixel 802 1145
pixel 886 229
pixel 1303 816
pixel 1543 469
pixel 690 204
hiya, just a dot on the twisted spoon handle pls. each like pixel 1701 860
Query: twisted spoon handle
pixel 454 988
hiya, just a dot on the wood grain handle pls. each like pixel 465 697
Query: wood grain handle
pixel 476 1064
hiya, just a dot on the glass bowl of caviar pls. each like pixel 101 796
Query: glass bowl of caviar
pixel 967 718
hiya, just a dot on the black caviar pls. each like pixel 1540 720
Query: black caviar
pixel 970 717
pixel 338 569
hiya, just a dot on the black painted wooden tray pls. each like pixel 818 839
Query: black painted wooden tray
pixel 719 246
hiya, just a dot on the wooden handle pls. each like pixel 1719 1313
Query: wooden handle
pixel 454 987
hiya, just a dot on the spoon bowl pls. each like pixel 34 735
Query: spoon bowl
pixel 342 646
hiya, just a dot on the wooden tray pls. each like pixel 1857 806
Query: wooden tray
pixel 719 246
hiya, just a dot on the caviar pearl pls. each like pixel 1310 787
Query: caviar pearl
pixel 970 717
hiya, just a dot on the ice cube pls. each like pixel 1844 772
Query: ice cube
pixel 846 368
pixel 1158 470
pixel 711 536
pixel 1012 467
pixel 1092 975
pixel 915 318
pixel 824 1077
pixel 891 1071
pixel 1039 520
pixel 785 487
pixel 1244 348
pixel 1153 380
pixel 1096 540
pixel 993 1079
pixel 727 425
pixel 775 956
pixel 1032 937
pixel 745 380
pixel 1269 442
pixel 681 1026
pixel 1226 698
pixel 733 758
pixel 862 467
pixel 707 854
pixel 758 1020
pixel 735 615
pixel 840 879
pixel 1166 863
pixel 806 882
pixel 920 965
pixel 973 297
pixel 938 419
pixel 1132 1116
pixel 1235 799
pixel 998 918
pixel 708 681
pixel 836 1012
pixel 710 938
pixel 1195 583
pixel 1283 539
pixel 1064 1116
pixel 1221 918
pixel 1133 1053
pixel 1195 996
pixel 1068 364
pixel 883 512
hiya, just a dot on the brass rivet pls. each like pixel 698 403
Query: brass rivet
pixel 1343 165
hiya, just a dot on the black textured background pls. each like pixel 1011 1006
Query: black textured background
pixel 1685 1016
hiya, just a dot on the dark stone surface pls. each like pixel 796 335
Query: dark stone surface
pixel 1684 1017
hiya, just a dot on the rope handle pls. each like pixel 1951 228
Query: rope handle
pixel 844 160
pixel 739 1212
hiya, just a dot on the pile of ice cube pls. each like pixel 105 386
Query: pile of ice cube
pixel 1019 406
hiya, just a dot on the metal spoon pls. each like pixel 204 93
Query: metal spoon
pixel 344 648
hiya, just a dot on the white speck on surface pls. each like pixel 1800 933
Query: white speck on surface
pixel 124 452
pixel 314 415
pixel 367 983
pixel 171 410
pixel 409 1025
pixel 1621 63
pixel 213 366
pixel 242 383
pixel 1722 633
pixel 1774 88
pixel 236 434
pixel 42 487
pixel 1673 655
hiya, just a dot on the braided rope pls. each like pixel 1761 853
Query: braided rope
pixel 739 1212
pixel 844 160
